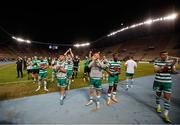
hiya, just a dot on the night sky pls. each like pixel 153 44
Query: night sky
pixel 77 21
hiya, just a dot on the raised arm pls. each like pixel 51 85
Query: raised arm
pixel 91 63
pixel 72 55
pixel 90 54
pixel 66 52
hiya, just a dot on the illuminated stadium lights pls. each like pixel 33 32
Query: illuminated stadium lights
pixel 147 22
pixel 14 37
pixel 21 40
pixel 170 17
pixel 139 24
pixel 135 25
pixel 123 29
pixel 28 41
pixel 81 45
pixel 156 20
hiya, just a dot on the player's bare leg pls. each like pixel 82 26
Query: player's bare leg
pixel 109 101
pixel 45 85
pixel 158 106
pixel 39 85
pixel 34 77
pixel 114 99
pixel 52 79
pixel 91 93
pixel 127 84
pixel 69 83
pixel 98 96
pixel 132 82
pixel 167 97
pixel 62 95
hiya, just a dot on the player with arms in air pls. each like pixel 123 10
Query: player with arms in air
pixel 69 62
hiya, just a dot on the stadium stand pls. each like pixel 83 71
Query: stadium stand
pixel 142 43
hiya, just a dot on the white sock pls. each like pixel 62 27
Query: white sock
pixel 132 81
pixel 158 106
pixel 70 82
pixel 61 97
pixel 109 96
pixel 98 101
pixel 166 112
pixel 127 81
pixel 39 83
pixel 91 98
pixel 45 84
pixel 98 104
pixel 126 86
pixel 114 94
pixel 98 98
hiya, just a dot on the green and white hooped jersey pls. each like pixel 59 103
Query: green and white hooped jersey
pixel 43 63
pixel 35 64
pixel 61 75
pixel 114 67
pixel 163 77
pixel 69 66
pixel 29 65
pixel 45 60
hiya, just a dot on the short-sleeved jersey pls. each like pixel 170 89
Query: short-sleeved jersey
pixel 47 62
pixel 69 65
pixel 59 74
pixel 114 66
pixel 130 65
pixel 42 64
pixel 95 70
pixel 163 77
pixel 29 64
pixel 35 64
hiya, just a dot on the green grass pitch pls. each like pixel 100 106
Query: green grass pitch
pixel 12 87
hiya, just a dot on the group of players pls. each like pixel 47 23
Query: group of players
pixel 39 66
pixel 95 68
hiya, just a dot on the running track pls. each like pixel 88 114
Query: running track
pixel 136 106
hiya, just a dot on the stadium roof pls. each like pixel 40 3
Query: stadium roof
pixel 77 21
